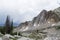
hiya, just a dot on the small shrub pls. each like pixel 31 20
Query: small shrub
pixel 58 27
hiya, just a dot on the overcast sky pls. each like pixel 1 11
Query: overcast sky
pixel 24 10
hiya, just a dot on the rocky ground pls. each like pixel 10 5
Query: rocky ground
pixel 48 34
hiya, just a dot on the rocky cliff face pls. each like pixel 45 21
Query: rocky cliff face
pixel 46 16
pixel 57 11
pixel 40 18
pixel 43 20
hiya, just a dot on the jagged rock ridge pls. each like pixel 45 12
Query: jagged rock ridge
pixel 42 20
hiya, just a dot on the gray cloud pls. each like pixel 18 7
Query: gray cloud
pixel 25 10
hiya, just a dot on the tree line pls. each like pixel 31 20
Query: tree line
pixel 8 27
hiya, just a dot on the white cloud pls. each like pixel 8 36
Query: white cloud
pixel 21 10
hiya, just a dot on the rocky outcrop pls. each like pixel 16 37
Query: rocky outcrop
pixel 43 20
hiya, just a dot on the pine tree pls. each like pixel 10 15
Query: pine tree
pixel 7 25
pixel 11 27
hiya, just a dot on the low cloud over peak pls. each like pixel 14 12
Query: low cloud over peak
pixel 25 10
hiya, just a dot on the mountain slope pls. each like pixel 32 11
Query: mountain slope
pixel 43 20
pixel 57 11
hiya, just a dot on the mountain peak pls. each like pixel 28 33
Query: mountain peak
pixel 43 20
pixel 42 12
